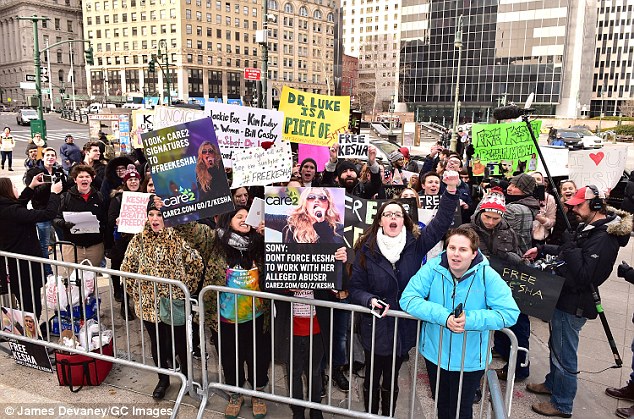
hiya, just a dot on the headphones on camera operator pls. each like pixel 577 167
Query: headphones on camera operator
pixel 596 203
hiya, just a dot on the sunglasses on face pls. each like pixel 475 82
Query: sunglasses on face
pixel 207 151
pixel 312 197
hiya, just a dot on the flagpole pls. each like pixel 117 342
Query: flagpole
pixel 50 76
pixel 72 75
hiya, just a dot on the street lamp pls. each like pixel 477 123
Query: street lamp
pixel 601 112
pixel 163 61
pixel 458 44
pixel 391 109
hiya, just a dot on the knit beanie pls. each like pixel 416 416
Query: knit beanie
pixel 395 156
pixel 131 173
pixel 494 201
pixel 345 165
pixel 308 160
pixel 525 183
pixel 151 205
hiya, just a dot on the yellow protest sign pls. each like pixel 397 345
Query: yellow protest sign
pixel 315 119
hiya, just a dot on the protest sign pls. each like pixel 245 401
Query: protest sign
pixel 393 191
pixel 556 158
pixel 304 228
pixel 257 166
pixel 360 214
pixel 352 146
pixel 535 291
pixel 320 154
pixel 187 171
pixel 240 127
pixel 166 116
pixel 602 168
pixel 25 353
pixel 133 213
pixel 429 207
pixel 142 122
pixel 504 148
pixel 311 118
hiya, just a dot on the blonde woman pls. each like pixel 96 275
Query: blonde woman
pixel 207 168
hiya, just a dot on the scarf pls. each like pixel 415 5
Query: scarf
pixel 391 247
pixel 236 241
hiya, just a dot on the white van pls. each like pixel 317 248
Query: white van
pixel 96 107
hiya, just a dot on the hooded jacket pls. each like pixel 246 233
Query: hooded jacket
pixel 380 279
pixel 165 255
pixel 502 241
pixel 112 180
pixel 432 295
pixel 589 259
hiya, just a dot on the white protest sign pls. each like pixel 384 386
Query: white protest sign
pixel 141 123
pixel 556 158
pixel 602 168
pixel 240 127
pixel 133 213
pixel 257 166
pixel 166 116
pixel 353 146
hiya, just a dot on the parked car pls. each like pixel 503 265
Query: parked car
pixel 588 138
pixel 25 116
pixel 384 148
pixel 4 108
pixel 572 139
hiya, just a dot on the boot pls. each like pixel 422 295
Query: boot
pixel 131 315
pixel 623 393
pixel 375 401
pixel 385 402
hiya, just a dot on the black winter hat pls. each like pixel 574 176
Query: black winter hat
pixel 345 165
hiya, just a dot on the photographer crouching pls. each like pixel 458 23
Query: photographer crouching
pixel 589 255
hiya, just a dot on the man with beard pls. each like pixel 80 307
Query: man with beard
pixel 588 255
pixel 347 174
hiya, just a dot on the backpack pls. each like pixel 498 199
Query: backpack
pixel 109 152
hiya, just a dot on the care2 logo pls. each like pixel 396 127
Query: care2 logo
pixel 184 196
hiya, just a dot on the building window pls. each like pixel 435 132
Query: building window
pixel 288 8
pixel 58 25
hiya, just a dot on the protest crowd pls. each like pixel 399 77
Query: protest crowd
pixel 428 249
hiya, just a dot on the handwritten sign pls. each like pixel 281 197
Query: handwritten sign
pixel 240 127
pixel 535 291
pixel 257 166
pixel 310 118
pixel 352 146
pixel 166 116
pixel 133 213
pixel 142 122
pixel 505 148
pixel 602 167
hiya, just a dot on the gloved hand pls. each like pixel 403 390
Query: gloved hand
pixel 68 225
pixel 623 269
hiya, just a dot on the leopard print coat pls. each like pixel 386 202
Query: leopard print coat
pixel 165 255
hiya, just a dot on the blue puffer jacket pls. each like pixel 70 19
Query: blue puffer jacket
pixel 432 295
pixel 379 279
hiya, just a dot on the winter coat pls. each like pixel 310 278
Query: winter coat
pixel 72 201
pixel 365 190
pixel 628 195
pixel 589 258
pixel 432 295
pixel 7 143
pixel 42 192
pixel 520 214
pixel 165 255
pixel 549 208
pixel 502 241
pixel 69 154
pixel 384 281
pixel 112 180
pixel 117 247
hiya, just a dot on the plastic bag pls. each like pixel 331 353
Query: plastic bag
pixel 92 336
pixel 56 291
pixel 87 281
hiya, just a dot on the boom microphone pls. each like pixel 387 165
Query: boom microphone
pixel 510 112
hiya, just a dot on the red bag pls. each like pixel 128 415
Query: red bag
pixel 75 370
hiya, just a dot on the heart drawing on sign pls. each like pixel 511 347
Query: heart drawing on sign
pixel 597 157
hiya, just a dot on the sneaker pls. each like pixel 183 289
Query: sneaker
pixel 358 369
pixel 340 380
pixel 547 409
pixel 623 393
pixel 538 388
pixel 259 408
pixel 10 169
pixel 233 407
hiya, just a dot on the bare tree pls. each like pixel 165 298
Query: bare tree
pixel 627 108
pixel 377 73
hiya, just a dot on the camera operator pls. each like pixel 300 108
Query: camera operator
pixel 588 257
pixel 625 393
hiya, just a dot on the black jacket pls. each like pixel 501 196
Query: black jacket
pixel 42 192
pixel 112 181
pixel 72 201
pixel 362 190
pixel 589 259
pixel 502 241
pixel 628 195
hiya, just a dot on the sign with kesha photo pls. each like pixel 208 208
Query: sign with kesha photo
pixel 535 291
pixel 304 228
pixel 25 353
pixel 187 171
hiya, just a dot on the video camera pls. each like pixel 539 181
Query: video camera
pixel 549 263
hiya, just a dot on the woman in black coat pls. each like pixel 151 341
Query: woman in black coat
pixel 19 235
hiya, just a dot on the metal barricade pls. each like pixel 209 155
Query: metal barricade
pixel 499 406
pixel 130 344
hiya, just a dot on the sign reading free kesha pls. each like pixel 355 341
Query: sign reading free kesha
pixel 304 228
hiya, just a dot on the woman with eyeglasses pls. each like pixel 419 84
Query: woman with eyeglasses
pixel 388 254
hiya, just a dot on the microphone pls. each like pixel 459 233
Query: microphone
pixel 510 112
pixel 319 215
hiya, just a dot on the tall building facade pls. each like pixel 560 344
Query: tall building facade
pixel 16 52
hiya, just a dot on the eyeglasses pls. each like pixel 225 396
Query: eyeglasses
pixel 121 169
pixel 392 214
pixel 312 197
pixel 207 151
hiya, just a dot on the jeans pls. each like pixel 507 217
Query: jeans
pixel 564 342
pixel 44 233
pixel 7 155
pixel 502 344
pixel 300 365
pixel 340 333
pixel 448 391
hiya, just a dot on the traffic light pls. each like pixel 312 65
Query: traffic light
pixel 151 66
pixel 89 57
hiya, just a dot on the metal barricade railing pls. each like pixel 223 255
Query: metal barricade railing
pixel 499 405
pixel 130 331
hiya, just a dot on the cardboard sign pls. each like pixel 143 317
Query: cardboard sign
pixel 257 166
pixel 133 213
pixel 142 122
pixel 311 118
pixel 320 154
pixel 239 127
pixel 304 228
pixel 25 353
pixel 535 291
pixel 187 171
pixel 504 148
pixel 167 116
pixel 352 146
pixel 556 158
pixel 602 167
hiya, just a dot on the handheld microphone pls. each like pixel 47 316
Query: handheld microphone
pixel 510 112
